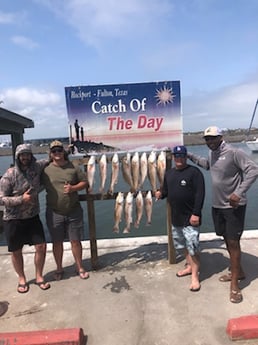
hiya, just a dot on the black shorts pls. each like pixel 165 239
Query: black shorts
pixel 19 232
pixel 229 222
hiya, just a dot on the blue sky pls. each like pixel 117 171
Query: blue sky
pixel 209 45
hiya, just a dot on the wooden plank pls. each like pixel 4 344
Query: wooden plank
pixel 92 234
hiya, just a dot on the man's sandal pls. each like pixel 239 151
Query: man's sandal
pixel 228 277
pixel 236 296
pixel 83 274
pixel 43 285
pixel 58 275
pixel 23 288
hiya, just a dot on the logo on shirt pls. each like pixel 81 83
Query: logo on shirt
pixel 183 183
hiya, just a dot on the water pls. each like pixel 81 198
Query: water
pixel 104 209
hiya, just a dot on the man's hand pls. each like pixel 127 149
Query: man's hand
pixel 194 220
pixel 158 194
pixel 234 200
pixel 27 196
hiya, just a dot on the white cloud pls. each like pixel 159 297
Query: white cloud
pixel 230 107
pixel 45 108
pixel 24 42
pixel 96 21
pixel 7 18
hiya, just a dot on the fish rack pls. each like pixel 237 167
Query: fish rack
pixel 90 199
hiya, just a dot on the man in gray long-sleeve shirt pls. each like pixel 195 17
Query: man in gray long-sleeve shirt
pixel 232 174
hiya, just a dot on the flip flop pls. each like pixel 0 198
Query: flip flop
pixel 83 274
pixel 228 277
pixel 236 296
pixel 43 285
pixel 196 290
pixel 25 288
pixel 58 275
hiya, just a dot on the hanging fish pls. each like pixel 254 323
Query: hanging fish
pixel 143 168
pixel 118 211
pixel 114 173
pixel 91 172
pixel 148 207
pixel 128 209
pixel 102 172
pixel 126 170
pixel 135 169
pixel 161 167
pixel 152 170
pixel 139 209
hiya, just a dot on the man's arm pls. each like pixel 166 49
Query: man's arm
pixel 198 160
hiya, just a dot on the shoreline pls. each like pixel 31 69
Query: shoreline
pixel 190 139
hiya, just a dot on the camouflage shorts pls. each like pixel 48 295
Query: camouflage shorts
pixel 186 237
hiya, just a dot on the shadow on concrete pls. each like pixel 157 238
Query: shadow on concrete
pixel 212 262
pixel 3 307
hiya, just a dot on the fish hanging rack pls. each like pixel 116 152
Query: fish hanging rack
pixel 91 197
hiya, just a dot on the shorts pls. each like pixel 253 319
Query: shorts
pixel 229 222
pixel 19 232
pixel 65 227
pixel 186 237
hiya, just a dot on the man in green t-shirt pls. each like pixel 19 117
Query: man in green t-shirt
pixel 64 214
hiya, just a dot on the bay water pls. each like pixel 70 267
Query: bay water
pixel 104 209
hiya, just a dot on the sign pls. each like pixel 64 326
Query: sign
pixel 141 116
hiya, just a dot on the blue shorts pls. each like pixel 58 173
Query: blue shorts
pixel 65 227
pixel 186 237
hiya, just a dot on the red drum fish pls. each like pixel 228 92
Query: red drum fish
pixel 148 207
pixel 143 168
pixel 114 173
pixel 118 211
pixel 126 170
pixel 152 170
pixel 128 210
pixel 161 167
pixel 139 209
pixel 91 172
pixel 135 169
pixel 102 172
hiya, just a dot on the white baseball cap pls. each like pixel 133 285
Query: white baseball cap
pixel 212 131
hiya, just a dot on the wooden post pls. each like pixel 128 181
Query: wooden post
pixel 171 248
pixel 92 234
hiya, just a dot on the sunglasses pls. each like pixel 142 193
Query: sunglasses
pixel 179 155
pixel 57 150
pixel 211 138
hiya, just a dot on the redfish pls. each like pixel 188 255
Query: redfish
pixel 114 173
pixel 118 211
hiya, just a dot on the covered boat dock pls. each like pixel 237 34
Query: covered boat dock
pixel 14 124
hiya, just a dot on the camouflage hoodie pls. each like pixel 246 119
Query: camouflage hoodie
pixel 15 182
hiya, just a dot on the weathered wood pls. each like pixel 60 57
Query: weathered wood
pixel 171 248
pixel 90 198
pixel 92 234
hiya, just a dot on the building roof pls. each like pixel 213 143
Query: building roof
pixel 11 122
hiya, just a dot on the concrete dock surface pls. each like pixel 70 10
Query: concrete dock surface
pixel 134 298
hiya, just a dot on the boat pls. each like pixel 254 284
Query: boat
pixel 252 144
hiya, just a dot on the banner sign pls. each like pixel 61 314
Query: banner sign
pixel 141 116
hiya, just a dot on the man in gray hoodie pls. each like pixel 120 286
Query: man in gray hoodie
pixel 19 188
pixel 232 174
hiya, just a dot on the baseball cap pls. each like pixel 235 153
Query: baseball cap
pixel 56 143
pixel 212 131
pixel 23 148
pixel 180 149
